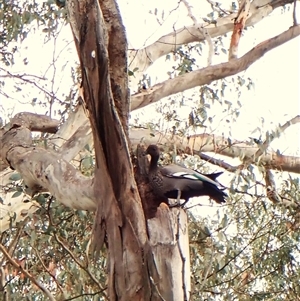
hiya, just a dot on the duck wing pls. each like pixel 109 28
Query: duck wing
pixel 191 183
pixel 179 172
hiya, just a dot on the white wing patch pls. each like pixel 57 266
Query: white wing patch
pixel 184 175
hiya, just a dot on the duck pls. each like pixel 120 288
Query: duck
pixel 181 183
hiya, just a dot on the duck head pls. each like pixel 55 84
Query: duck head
pixel 153 151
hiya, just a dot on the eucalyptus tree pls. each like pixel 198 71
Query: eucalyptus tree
pixel 92 161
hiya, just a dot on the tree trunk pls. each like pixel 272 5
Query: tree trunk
pixel 168 235
pixel 134 272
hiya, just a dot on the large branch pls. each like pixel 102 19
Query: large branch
pixel 211 73
pixel 45 170
pixel 205 143
pixel 145 57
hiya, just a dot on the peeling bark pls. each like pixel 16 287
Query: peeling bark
pixel 239 25
pixel 117 49
pixel 168 234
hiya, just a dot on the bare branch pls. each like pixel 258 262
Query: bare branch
pixel 145 57
pixel 218 162
pixel 198 144
pixel 211 73
pixel 47 270
pixel 203 32
pixel 189 9
pixel 263 147
pixel 24 78
pixel 14 241
pixel 295 13
pixel 84 267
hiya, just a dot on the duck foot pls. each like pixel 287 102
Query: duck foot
pixel 177 204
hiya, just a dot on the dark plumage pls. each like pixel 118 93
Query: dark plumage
pixel 177 182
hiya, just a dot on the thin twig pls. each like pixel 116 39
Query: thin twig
pixel 189 9
pixel 13 244
pixel 295 13
pixel 85 268
pixel 263 147
pixel 47 270
pixel 26 273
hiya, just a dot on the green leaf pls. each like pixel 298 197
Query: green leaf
pixel 15 177
pixel 16 194
pixel 224 221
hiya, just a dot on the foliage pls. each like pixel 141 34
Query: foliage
pixel 16 18
pixel 248 252
pixel 52 245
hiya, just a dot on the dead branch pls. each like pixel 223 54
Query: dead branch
pixel 205 143
pixel 35 122
pixel 263 147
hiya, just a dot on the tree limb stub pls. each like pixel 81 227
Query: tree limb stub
pixel 36 122
pixel 208 75
pixel 239 25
